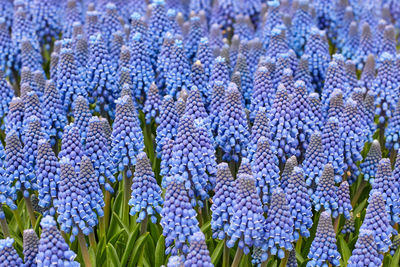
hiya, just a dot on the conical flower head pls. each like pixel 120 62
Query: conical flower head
pixel 392 131
pixel 303 72
pixel 195 105
pixel 314 160
pixel 168 123
pixel 9 256
pixel 352 41
pixel 18 169
pixel 377 220
pixel 367 46
pixel 193 37
pixel 205 56
pixel 261 128
pixel 30 247
pixel 287 171
pixel 32 107
pixel 385 183
pixel 92 23
pixel 223 201
pixel 316 108
pixel 52 247
pixel 198 252
pixel 127 136
pixel 323 248
pixel 163 59
pixel 335 105
pixel 273 19
pixel 158 26
pixel 335 80
pixel 216 105
pixel 15 116
pixel 206 141
pixel 72 14
pixel 219 72
pixel 111 22
pixel 326 192
pixel 279 225
pixel 30 57
pixel 71 146
pixel 245 167
pixel 370 164
pixel 73 204
pixel 344 204
pixel 179 72
pixel 146 200
pixel 166 161
pixel 247 221
pixel 82 115
pixel 388 44
pixel 365 243
pixel 153 104
pixel 199 80
pixel 302 22
pixel 8 57
pixel 368 73
pixel 188 162
pixel 81 51
pixel 265 166
pixel 299 202
pixel 233 133
pixel 178 218
pixel 263 91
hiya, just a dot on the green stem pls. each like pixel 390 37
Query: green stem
pixel 285 259
pixel 200 217
pixel 225 260
pixel 4 228
pixel 107 209
pixel 102 226
pixel 143 226
pixel 150 149
pixel 84 249
pixel 126 198
pixel 336 223
pixel 31 212
pixel 298 244
pixel 238 256
pixel 92 240
pixel 358 193
pixel 19 220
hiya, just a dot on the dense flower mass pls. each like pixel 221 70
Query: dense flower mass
pixel 199 133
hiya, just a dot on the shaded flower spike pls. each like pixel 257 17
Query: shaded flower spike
pixel 261 128
pixel 7 58
pixel 193 38
pixel 52 246
pixel 30 247
pixel 6 95
pixel 335 81
pixel 216 104
pixel 352 41
pixel 32 105
pixel 245 78
pixel 179 72
pixel 199 80
pixel 278 43
pixel 54 59
pixel 332 145
pixel 69 80
pixel 263 91
pixel 26 81
pixel 168 123
pixel 90 186
pixel 302 22
pixel 9 256
pixel 299 202
pixel 39 81
pixel 220 72
pixel 46 20
pixel 73 203
pixel 318 49
pixel 152 105
pixel 368 73
pixel 117 41
pixel 303 72
pixel 81 51
pixel 47 173
pixel 370 114
pixel 316 109
pixel 272 19
pixel 54 117
pixel 206 142
pixel 281 124
pixel 377 220
pixel 205 56
pixel 287 171
pixel 178 218
pixel 195 105
pixel 15 116
pixel 367 46
pixel 279 225
pixel 176 261
pixel 314 160
pixel 146 200
pixel 233 133
pixel 223 13
pixel 326 193
pixel 302 117
pixel 349 225
pixel 370 164
pixel 17 167
pixel 30 57
pixel 71 146
pixel 384 181
pixel 111 23
pixel 353 137
pixel 141 71
pixel 33 133
pixel 163 59
pixel 158 26
pixel 388 43
pixel 166 161
pixel 392 131
pixel 82 115
pixel 92 23
pixel 246 225
pixel 243 28
pixel 343 193
pixel 256 51
pixel 175 28
pixel 198 251
pixel 72 15
pixel 365 252
pixel 245 167
pixel 223 201
pixel 127 136
pixel 323 248
pixel 100 76
pixel 234 50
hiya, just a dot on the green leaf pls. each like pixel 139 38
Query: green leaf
pixel 160 251
pixel 395 259
pixel 206 227
pixel 121 223
pixel 346 253
pixel 37 225
pixel 92 255
pixel 115 237
pixel 138 247
pixel 216 255
pixel 101 246
pixel 129 246
pixel 112 255
pixel 150 250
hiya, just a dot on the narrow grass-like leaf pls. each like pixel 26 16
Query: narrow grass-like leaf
pixel 395 259
pixel 160 251
pixel 112 255
pixel 217 253
pixel 138 248
pixel 344 249
pixel 129 246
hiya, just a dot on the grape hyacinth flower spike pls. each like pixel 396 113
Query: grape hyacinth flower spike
pixel 344 204
pixel 314 160
pixel 152 105
pixel 9 256
pixel 82 115
pixel 146 200
pixel 30 247
pixel 198 252
pixel 168 123
pixel 71 146
pixel 370 164
pixel 365 252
